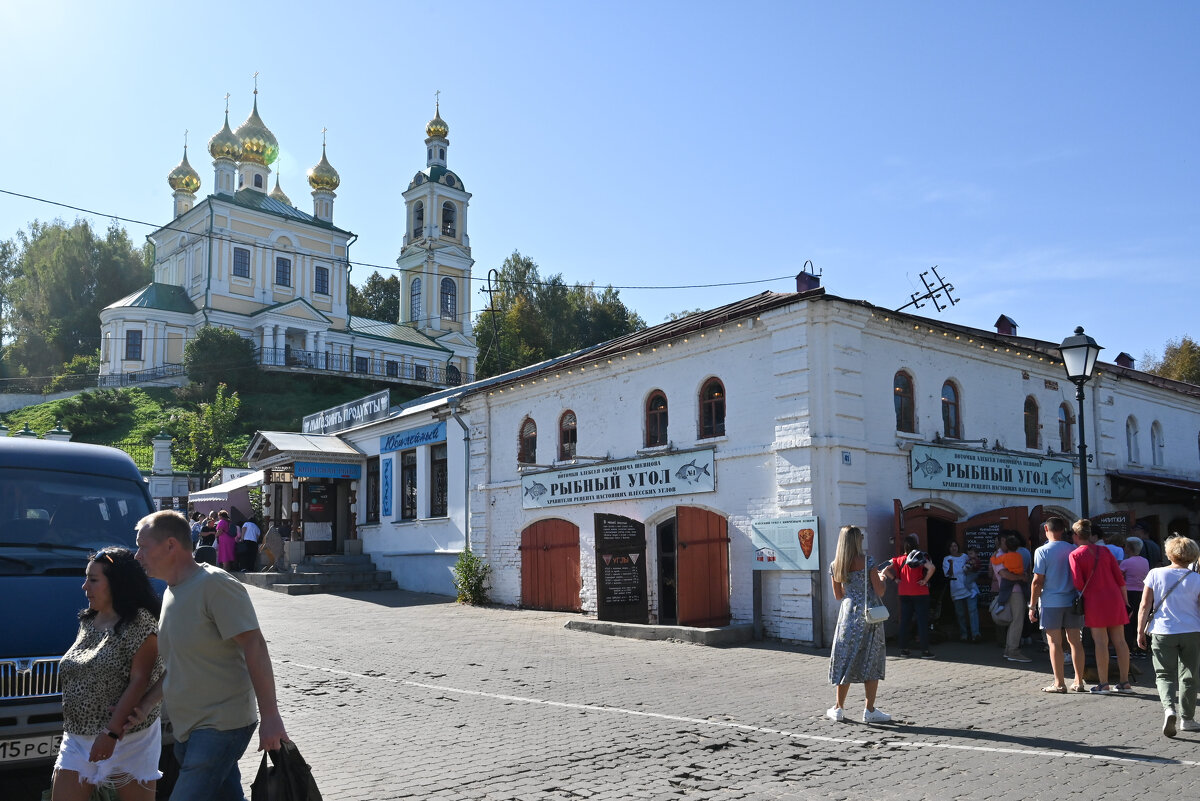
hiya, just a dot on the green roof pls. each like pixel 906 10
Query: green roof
pixel 165 297
pixel 392 331
pixel 435 175
pixel 254 199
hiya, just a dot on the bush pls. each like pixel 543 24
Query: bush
pixel 219 356
pixel 471 576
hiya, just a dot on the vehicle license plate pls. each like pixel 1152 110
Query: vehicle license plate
pixel 22 748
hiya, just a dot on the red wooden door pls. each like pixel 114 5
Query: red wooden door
pixel 550 566
pixel 702 567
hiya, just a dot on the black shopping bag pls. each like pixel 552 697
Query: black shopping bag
pixel 285 777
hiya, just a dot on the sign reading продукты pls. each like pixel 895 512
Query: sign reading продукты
pixel 621 569
pixel 931 467
pixel 644 477
pixel 786 544
pixel 348 415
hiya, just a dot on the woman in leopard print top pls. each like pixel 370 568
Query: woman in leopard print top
pixel 104 674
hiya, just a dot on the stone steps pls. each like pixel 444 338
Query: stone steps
pixel 325 573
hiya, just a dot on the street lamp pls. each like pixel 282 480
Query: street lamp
pixel 1079 358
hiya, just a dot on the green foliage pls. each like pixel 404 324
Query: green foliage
pixel 54 280
pixel 205 439
pixel 88 413
pixel 219 356
pixel 471 576
pixel 379 298
pixel 680 315
pixel 80 368
pixel 531 319
pixel 1180 361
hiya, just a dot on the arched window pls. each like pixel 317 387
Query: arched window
pixel 449 217
pixel 429 154
pixel 414 301
pixel 906 410
pixel 1131 440
pixel 567 434
pixel 1157 444
pixel 449 299
pixel 453 376
pixel 712 409
pixel 1066 441
pixel 258 182
pixel 442 153
pixel 1031 422
pixel 418 220
pixel 656 419
pixel 528 450
pixel 951 412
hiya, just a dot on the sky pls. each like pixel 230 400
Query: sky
pixel 1041 155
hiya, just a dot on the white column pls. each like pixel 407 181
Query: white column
pixel 280 331
pixel 268 342
pixel 309 337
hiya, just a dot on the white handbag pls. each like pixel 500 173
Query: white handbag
pixel 874 614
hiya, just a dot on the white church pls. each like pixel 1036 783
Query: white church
pixel 244 257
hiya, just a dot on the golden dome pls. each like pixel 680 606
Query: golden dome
pixel 278 194
pixel 183 178
pixel 437 127
pixel 259 145
pixel 224 145
pixel 324 176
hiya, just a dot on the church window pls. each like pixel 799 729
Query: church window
pixel 420 372
pixel 439 481
pixel 414 301
pixel 241 262
pixel 1065 423
pixel 449 216
pixel 527 453
pixel 258 182
pixel 1031 422
pixel 392 368
pixel 951 412
pixel 418 219
pixel 453 376
pixel 283 271
pixel 442 153
pixel 906 410
pixel 567 435
pixel 429 154
pixel 712 409
pixel 321 281
pixel 656 419
pixel 362 364
pixel 133 345
pixel 449 299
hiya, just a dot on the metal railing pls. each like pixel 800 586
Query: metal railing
pixel 139 376
pixel 386 369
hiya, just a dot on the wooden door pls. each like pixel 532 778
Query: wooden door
pixel 702 567
pixel 550 566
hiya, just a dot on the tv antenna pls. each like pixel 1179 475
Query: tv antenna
pixel 933 291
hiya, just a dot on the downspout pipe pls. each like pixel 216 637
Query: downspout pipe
pixel 208 283
pixel 349 314
pixel 453 403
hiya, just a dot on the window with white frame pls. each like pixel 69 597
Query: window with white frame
pixel 1157 444
pixel 1131 440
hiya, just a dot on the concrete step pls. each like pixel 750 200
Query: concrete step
pixel 325 573
pixel 313 589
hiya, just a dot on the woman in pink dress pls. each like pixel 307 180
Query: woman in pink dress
pixel 1098 576
pixel 226 541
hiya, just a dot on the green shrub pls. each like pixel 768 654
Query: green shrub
pixel 471 578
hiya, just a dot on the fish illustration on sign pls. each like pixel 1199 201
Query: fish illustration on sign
pixel 930 467
pixel 1061 480
pixel 536 490
pixel 691 473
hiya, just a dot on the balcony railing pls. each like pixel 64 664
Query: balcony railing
pixel 141 376
pixel 384 369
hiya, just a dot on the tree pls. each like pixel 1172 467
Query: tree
pixel 531 318
pixel 219 355
pixel 62 277
pixel 672 316
pixel 379 298
pixel 202 438
pixel 1180 361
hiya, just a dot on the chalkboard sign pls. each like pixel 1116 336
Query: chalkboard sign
pixel 983 540
pixel 1110 523
pixel 621 569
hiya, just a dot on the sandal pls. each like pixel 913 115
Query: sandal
pixel 1101 689
pixel 1054 689
pixel 1078 688
pixel 1123 687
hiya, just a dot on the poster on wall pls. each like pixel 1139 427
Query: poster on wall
pixel 996 472
pixel 318 512
pixel 680 473
pixel 790 543
pixel 621 569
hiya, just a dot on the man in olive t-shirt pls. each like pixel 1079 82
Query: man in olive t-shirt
pixel 216 661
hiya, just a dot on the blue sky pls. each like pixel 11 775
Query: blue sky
pixel 1042 154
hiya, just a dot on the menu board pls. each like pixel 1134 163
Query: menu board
pixel 621 569
pixel 1111 523
pixel 982 539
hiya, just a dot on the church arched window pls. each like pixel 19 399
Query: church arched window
pixel 449 299
pixel 418 219
pixel 449 218
pixel 258 182
pixel 414 301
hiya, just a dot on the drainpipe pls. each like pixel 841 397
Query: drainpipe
pixel 208 283
pixel 349 314
pixel 452 403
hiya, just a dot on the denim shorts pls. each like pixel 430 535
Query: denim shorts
pixel 134 758
pixel 1059 617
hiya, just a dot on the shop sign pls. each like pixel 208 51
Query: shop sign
pixel 621 569
pixel 403 440
pixel 348 415
pixel 326 470
pixel 385 482
pixel 789 543
pixel 965 470
pixel 644 477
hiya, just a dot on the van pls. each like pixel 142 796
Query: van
pixel 59 502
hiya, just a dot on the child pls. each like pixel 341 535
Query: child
pixel 1010 559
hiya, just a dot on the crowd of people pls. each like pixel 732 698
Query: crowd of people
pixel 1113 589
pixel 241 547
pixel 197 655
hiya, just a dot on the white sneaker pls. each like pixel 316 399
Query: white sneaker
pixel 876 716
pixel 835 714
pixel 1187 724
pixel 1169 723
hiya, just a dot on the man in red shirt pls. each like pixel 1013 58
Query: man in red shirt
pixel 913 570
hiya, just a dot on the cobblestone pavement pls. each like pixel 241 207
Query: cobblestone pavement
pixel 396 695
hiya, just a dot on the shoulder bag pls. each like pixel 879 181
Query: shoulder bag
pixel 1167 595
pixel 879 612
pixel 1077 601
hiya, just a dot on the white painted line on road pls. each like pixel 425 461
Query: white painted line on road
pixel 1035 752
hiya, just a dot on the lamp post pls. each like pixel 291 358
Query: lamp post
pixel 1079 354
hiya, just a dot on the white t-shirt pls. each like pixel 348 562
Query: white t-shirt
pixel 1179 613
pixel 250 531
pixel 954 568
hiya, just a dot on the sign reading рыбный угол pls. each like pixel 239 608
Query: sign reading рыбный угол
pixel 643 477
pixel 939 468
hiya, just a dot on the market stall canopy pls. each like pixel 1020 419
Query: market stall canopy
pixel 221 491
pixel 270 448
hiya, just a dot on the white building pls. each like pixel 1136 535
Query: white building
pixel 247 259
